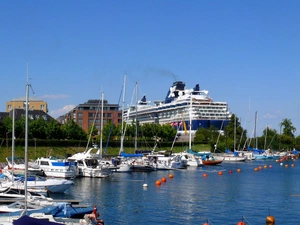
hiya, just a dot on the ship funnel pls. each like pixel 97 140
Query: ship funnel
pixel 197 87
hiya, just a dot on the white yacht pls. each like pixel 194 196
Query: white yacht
pixel 57 167
pixel 89 164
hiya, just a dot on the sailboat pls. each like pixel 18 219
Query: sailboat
pixel 89 163
pixel 9 219
pixel 123 163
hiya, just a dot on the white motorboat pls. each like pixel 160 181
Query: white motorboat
pixel 39 184
pixel 89 165
pixel 57 167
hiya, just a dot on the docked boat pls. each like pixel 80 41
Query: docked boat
pixel 39 184
pixel 142 164
pixel 89 164
pixel 18 165
pixel 175 109
pixel 56 209
pixel 230 157
pixel 57 167
pixel 162 162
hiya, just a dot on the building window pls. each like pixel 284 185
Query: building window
pixel 91 114
pixel 109 115
pixel 80 114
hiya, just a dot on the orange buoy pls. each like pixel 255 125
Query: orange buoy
pixel 265 166
pixel 204 175
pixel 239 170
pixel 220 173
pixel 171 176
pixel 163 179
pixel 292 165
pixel 286 165
pixel 206 224
pixel 241 223
pixel 270 220
pixel 255 169
pixel 158 183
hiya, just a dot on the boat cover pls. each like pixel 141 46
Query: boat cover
pixel 27 220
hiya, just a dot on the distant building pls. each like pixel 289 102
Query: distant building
pixel 32 115
pixel 34 104
pixel 90 112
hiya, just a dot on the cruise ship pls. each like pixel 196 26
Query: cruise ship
pixel 181 108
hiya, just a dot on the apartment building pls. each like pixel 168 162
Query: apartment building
pixel 89 113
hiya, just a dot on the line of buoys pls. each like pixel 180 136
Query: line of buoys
pixel 163 180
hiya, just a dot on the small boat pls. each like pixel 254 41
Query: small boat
pixel 59 210
pixel 210 162
pixel 57 167
pixel 18 165
pixel 53 185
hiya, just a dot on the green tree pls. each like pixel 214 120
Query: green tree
pixel 53 130
pixel 37 128
pixel 73 131
pixel 288 128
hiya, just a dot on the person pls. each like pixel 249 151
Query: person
pixel 93 218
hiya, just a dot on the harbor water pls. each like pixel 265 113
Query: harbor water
pixel 222 194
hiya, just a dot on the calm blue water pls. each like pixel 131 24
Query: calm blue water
pixel 189 198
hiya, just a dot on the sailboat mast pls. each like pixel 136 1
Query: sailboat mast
pixel 122 125
pixel 234 138
pixel 26 146
pixel 190 128
pixel 101 125
pixel 255 130
pixel 13 145
pixel 136 125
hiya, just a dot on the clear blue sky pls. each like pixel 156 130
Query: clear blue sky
pixel 243 52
